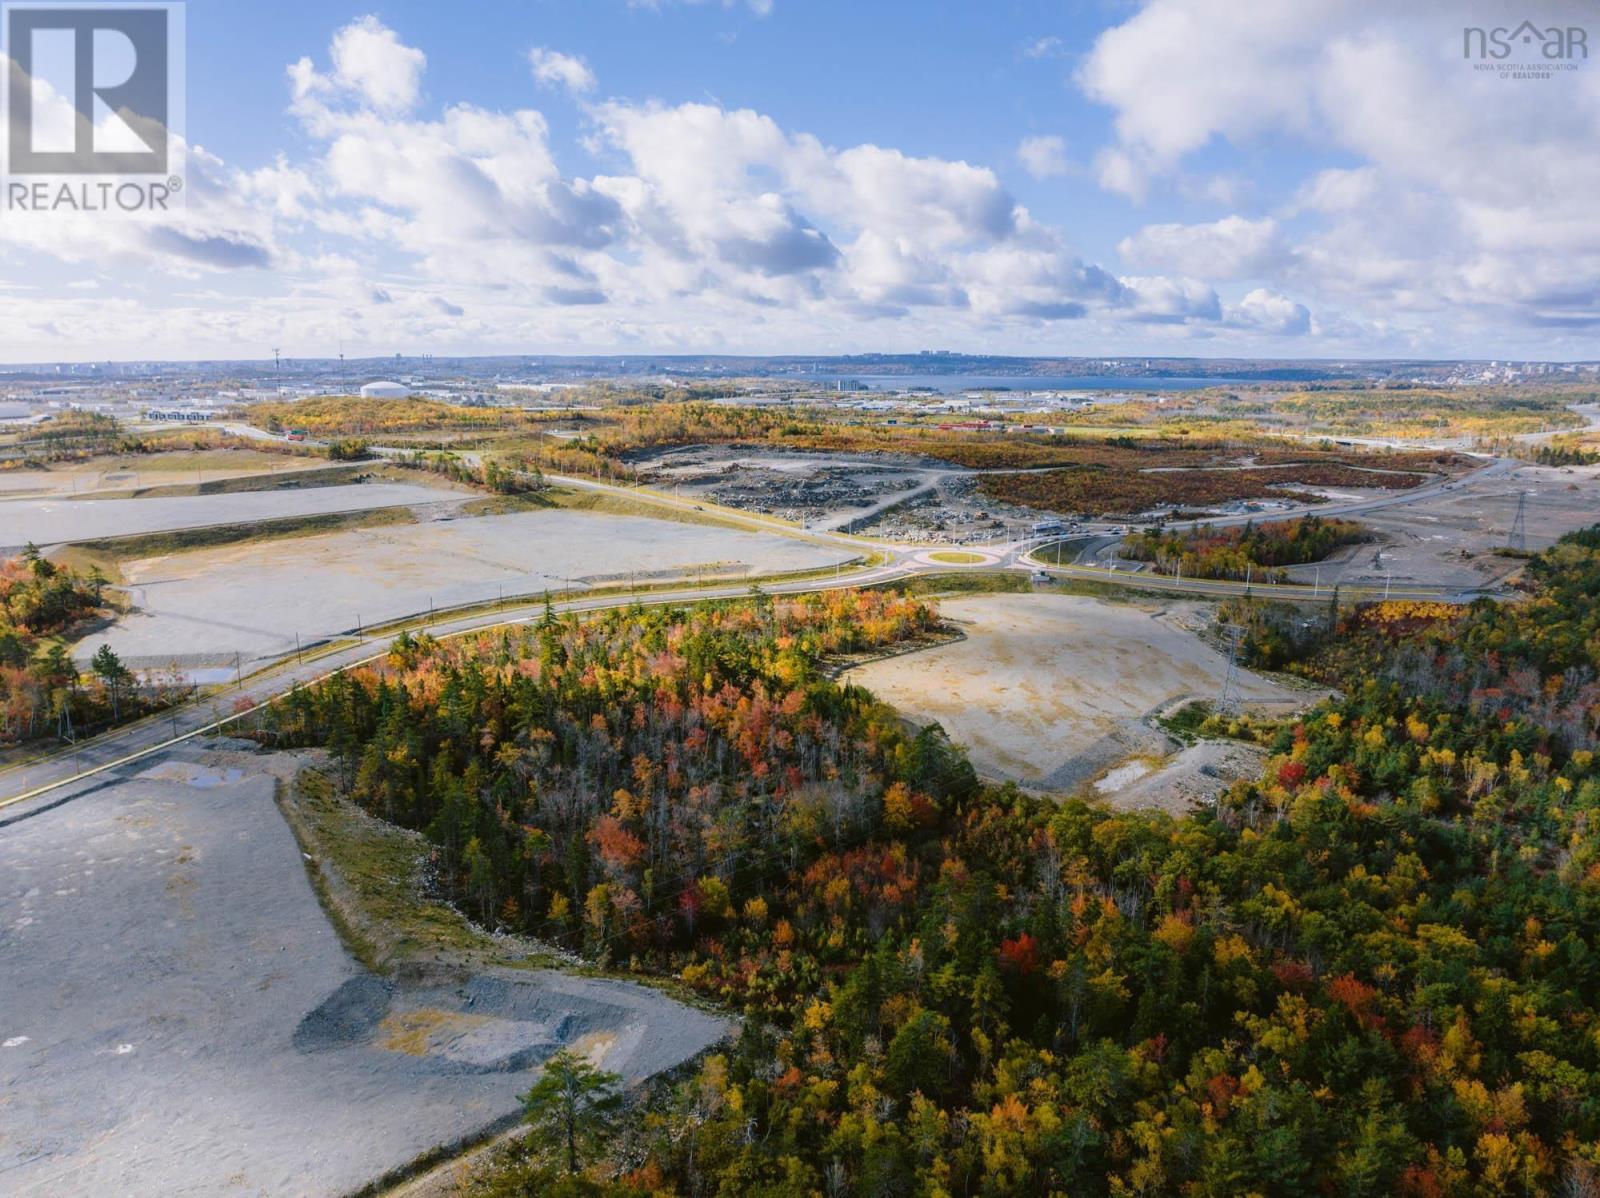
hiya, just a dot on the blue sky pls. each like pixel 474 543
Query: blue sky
pixel 965 81
pixel 1291 178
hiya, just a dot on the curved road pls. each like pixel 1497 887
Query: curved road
pixel 106 755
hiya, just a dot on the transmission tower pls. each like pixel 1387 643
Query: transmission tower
pixel 1518 540
pixel 1228 701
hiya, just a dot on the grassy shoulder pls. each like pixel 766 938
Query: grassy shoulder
pixel 973 582
pixel 372 879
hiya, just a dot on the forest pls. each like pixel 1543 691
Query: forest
pixel 42 691
pixel 1371 971
pixel 1259 550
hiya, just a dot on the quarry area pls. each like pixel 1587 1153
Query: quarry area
pixel 1057 692
pixel 892 496
pixel 178 1015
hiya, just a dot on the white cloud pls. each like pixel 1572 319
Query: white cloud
pixel 1230 248
pixel 1170 300
pixel 370 59
pixel 554 69
pixel 1269 312
pixel 1467 210
pixel 1043 157
pixel 709 228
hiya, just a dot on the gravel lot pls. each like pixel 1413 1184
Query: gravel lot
pixel 202 607
pixel 177 1016
pixel 1051 691
pixel 58 521
pixel 1449 539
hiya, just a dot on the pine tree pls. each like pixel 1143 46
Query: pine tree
pixel 574 1106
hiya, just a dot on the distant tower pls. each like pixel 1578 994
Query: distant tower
pixel 1228 701
pixel 1518 540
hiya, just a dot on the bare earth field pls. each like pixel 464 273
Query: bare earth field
pixel 1449 539
pixel 1052 691
pixel 152 470
pixel 59 521
pixel 177 1016
pixel 203 606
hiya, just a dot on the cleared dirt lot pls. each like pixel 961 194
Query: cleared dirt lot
pixel 59 521
pixel 152 470
pixel 178 1017
pixel 1449 539
pixel 1051 691
pixel 202 607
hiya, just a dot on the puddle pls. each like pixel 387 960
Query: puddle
pixel 201 776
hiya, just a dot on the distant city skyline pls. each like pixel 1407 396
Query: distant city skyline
pixel 1186 178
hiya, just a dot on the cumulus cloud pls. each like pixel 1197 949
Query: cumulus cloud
pixel 1043 157
pixel 555 69
pixel 708 227
pixel 369 61
pixel 1268 312
pixel 1468 192
pixel 1230 248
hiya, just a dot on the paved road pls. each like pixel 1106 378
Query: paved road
pixel 106 754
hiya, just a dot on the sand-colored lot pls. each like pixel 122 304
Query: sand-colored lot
pixel 64 520
pixel 177 1016
pixel 202 607
pixel 1051 691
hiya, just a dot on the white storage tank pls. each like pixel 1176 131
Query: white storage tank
pixel 384 390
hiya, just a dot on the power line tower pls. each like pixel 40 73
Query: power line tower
pixel 1518 538
pixel 1228 701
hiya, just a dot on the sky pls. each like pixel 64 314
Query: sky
pixel 1208 178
